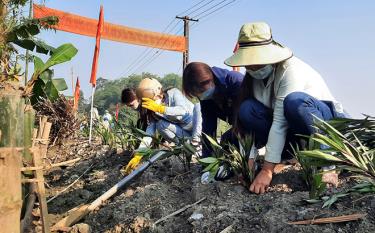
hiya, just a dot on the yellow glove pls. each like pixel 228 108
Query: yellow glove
pixel 152 105
pixel 133 163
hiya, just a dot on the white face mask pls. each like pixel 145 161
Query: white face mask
pixel 207 94
pixel 261 73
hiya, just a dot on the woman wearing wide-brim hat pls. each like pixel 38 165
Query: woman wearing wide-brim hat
pixel 278 98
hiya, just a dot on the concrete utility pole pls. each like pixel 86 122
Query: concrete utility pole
pixel 185 55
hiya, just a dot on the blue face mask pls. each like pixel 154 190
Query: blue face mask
pixel 207 94
pixel 261 73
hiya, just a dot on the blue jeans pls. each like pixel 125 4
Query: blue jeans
pixel 299 109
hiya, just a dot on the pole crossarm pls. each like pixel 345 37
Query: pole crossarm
pixel 86 26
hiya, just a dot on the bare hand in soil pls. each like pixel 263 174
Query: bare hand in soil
pixel 263 179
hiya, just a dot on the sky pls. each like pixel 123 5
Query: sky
pixel 336 37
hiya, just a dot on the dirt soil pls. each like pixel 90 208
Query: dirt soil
pixel 167 186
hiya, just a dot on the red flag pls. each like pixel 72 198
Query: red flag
pixel 76 94
pixel 117 111
pixel 235 68
pixel 97 48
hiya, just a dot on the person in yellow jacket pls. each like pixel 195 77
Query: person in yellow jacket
pixel 171 115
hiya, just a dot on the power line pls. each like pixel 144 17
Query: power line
pixel 194 25
pixel 184 12
pixel 154 56
pixel 136 67
pixel 148 51
pixel 217 9
pixel 207 3
pixel 199 14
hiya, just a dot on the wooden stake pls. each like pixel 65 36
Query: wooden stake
pixel 10 189
pixel 65 163
pixel 41 189
pixel 12 136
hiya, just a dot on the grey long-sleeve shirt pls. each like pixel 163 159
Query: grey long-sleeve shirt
pixel 290 76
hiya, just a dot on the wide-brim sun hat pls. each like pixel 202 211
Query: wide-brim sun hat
pixel 257 47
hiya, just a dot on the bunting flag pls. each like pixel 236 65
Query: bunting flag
pixel 81 25
pixel 97 48
pixel 117 111
pixel 76 95
pixel 235 68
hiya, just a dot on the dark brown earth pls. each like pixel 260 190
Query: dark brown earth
pixel 167 186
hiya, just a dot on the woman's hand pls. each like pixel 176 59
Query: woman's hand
pixel 263 179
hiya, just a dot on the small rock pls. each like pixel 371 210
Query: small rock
pixel 228 229
pixel 81 228
pixel 195 216
pixel 85 194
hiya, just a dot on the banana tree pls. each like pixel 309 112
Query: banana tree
pixel 41 82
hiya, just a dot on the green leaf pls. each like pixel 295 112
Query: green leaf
pixel 62 54
pixel 51 91
pixel 213 171
pixel 313 201
pixel 31 44
pixel 38 91
pixel 46 76
pixel 38 64
pixel 209 167
pixel 333 199
pixel 319 155
pixel 212 141
pixel 189 148
pixel 208 160
pixel 59 84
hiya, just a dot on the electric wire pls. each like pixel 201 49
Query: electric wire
pixel 137 65
pixel 146 52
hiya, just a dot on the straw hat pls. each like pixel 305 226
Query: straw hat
pixel 257 47
pixel 149 88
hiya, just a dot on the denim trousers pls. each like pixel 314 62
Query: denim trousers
pixel 299 111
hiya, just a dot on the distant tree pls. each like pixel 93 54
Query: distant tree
pixel 171 80
pixel 100 82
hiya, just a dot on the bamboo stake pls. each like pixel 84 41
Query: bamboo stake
pixel 32 180
pixel 46 130
pixel 47 167
pixel 41 189
pixel 12 136
pixel 344 218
